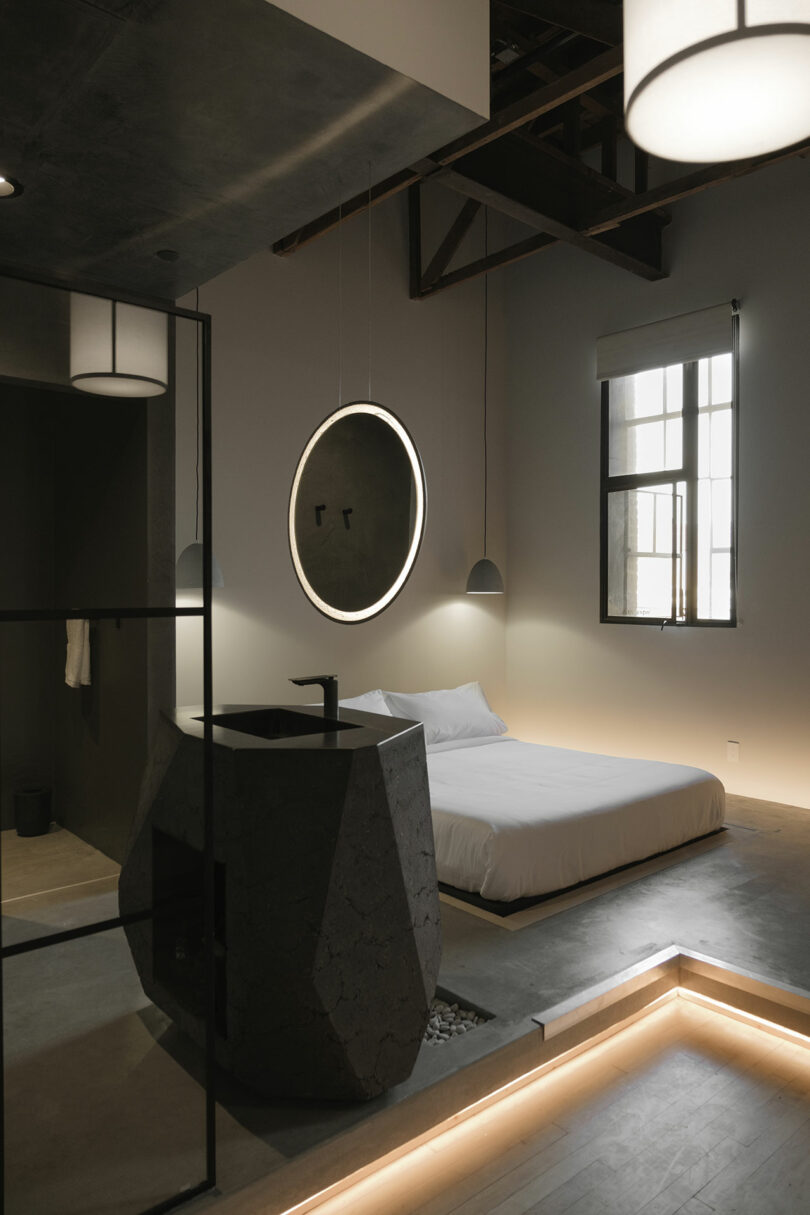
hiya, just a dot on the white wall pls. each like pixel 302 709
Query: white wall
pixel 276 326
pixel 678 694
pixel 441 43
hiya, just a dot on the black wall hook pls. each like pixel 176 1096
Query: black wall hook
pixel 318 512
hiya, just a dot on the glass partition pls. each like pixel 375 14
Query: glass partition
pixel 105 1107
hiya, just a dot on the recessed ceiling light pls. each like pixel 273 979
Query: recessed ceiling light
pixel 9 188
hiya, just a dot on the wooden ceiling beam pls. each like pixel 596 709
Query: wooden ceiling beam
pixel 541 101
pixel 595 19
pixel 578 169
pixel 449 246
pixel 493 261
pixel 669 192
pixel 543 192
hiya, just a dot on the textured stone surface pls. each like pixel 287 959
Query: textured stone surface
pixel 328 930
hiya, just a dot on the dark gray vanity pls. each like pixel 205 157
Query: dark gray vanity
pixel 327 931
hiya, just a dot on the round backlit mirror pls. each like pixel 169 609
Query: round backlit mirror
pixel 357 512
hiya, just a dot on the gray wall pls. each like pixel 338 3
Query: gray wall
pixel 678 694
pixel 277 325
pixel 86 496
pixel 27 706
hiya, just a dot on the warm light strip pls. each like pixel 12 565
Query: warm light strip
pixel 383 415
pixel 482 1105
pixel 38 894
pixel 498 1095
pixel 782 1031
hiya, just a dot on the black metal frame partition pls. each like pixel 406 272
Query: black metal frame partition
pixel 140 612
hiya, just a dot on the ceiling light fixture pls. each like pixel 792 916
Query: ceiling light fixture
pixel 9 188
pixel 713 82
pixel 485 577
pixel 117 350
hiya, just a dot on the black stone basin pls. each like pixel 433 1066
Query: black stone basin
pixel 277 723
pixel 326 925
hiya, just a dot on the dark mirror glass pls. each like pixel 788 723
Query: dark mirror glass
pixel 357 512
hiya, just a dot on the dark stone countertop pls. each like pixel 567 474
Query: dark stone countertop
pixel 365 729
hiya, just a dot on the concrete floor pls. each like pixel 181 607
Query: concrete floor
pixel 81 1035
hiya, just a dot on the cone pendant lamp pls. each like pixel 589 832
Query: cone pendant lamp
pixel 485 577
pixel 188 575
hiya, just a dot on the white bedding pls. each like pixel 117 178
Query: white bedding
pixel 513 819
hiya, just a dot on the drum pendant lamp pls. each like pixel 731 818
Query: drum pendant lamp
pixel 716 80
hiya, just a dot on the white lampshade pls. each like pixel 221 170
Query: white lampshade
pixel 716 81
pixel 117 350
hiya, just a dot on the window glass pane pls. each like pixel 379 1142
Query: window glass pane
pixel 720 458
pixel 704 444
pixel 721 379
pixel 674 443
pixel 641 569
pixel 721 514
pixel 674 388
pixel 646 422
pixel 721 586
pixel 703 383
pixel 715 462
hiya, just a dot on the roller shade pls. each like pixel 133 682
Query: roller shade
pixel 679 339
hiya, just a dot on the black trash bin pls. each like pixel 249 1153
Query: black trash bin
pixel 32 811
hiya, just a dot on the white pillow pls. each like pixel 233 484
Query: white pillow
pixel 369 702
pixel 447 715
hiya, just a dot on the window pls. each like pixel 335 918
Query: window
pixel 668 488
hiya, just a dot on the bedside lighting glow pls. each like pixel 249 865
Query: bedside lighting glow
pixel 714 82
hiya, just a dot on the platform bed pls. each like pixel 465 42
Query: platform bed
pixel 516 823
pixel 505 909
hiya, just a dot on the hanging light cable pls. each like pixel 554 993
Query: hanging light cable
pixel 485 577
pixel 189 569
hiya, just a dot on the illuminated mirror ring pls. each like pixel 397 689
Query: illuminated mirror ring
pixel 357 512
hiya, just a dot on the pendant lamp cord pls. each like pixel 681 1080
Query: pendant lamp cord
pixel 340 304
pixel 486 368
pixel 368 234
pixel 197 432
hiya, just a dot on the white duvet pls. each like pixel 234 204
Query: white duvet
pixel 513 819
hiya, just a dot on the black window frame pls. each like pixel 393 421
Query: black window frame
pixel 688 474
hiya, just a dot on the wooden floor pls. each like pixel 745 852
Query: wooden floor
pixel 686 1111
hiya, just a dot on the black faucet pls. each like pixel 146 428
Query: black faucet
pixel 329 684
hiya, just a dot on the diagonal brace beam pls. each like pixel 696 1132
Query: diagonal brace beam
pixel 444 254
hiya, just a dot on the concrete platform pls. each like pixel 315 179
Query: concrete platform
pixel 745 904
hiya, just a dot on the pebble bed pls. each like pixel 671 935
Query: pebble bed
pixel 449 1021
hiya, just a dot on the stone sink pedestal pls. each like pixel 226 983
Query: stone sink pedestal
pixel 327 929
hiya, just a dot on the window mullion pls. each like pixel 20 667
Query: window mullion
pixel 690 463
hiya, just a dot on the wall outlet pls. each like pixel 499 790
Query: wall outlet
pixel 733 751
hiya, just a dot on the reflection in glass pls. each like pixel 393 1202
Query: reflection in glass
pixel 646 567
pixel 100 1114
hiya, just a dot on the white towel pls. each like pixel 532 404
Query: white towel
pixel 77 667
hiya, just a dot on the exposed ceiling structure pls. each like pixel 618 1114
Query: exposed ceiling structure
pixel 554 155
pixel 161 141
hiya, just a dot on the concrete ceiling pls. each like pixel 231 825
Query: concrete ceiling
pixel 207 128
